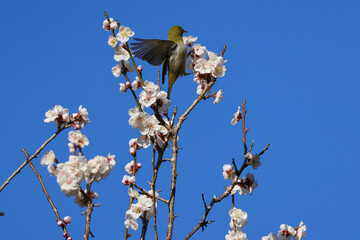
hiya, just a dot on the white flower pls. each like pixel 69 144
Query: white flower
pixel 124 34
pixel 300 231
pixel 228 171
pixel 218 69
pixel 203 66
pixel 106 24
pixel 136 84
pixel 101 166
pixel 130 221
pixel 198 50
pixel 130 169
pixel 133 193
pixel 271 236
pixel 72 148
pixel 254 160
pixel 189 40
pixel 127 180
pixel 112 41
pixel 121 54
pixel 237 117
pixel 116 71
pixel 145 203
pixel 122 87
pixel 144 141
pixel 245 185
pixel 77 138
pixel 58 115
pixel 218 97
pixel 238 235
pixel 111 160
pixel 135 211
pixel 286 232
pixel 150 126
pixel 200 88
pixel 147 98
pixel 137 118
pixel 238 218
pixel 114 25
pixel 80 119
pixel 48 159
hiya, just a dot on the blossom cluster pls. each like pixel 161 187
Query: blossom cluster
pixel 144 207
pixel 287 232
pixel 118 42
pixel 71 173
pixel 60 116
pixel 206 65
pixel 237 223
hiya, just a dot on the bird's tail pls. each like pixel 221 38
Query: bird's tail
pixel 172 78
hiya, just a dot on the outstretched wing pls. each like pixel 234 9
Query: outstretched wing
pixel 153 51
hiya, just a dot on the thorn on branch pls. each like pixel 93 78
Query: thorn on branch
pixel 2 214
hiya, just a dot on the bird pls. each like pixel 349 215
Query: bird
pixel 171 53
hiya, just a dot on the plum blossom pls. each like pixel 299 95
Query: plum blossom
pixel 237 117
pixel 137 118
pixel 112 41
pixel 228 171
pixel 189 40
pixel 48 159
pixel 107 25
pixel 100 167
pixel 245 185
pixel 58 115
pixel 254 160
pixel 238 218
pixel 79 139
pixel 124 34
pixel 238 235
pixel 127 180
pixel 150 126
pixel 286 232
pixel 130 169
pixel 80 119
pixel 300 231
pixel 218 96
pixel 270 236
pixel 121 54
pixel 136 84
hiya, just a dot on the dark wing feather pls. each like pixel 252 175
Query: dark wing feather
pixel 165 69
pixel 153 51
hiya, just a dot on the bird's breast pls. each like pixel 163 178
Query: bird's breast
pixel 177 60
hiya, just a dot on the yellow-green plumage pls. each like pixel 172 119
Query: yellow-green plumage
pixel 171 53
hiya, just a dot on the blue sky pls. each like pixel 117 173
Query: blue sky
pixel 295 62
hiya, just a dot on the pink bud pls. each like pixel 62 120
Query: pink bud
pixel 69 238
pixel 60 223
pixel 65 235
pixel 127 85
pixel 140 68
pixel 67 220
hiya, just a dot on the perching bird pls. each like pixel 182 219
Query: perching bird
pixel 171 53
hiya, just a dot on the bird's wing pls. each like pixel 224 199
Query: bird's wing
pixel 154 51
pixel 165 69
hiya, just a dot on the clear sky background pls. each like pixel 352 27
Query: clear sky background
pixel 295 62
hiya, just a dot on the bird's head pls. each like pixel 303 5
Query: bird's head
pixel 175 34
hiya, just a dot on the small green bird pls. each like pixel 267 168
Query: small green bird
pixel 171 53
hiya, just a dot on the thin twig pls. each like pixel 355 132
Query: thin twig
pixel 266 148
pixel 143 191
pixel 46 192
pixel 243 126
pixel 17 171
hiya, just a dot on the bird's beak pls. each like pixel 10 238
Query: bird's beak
pixel 185 31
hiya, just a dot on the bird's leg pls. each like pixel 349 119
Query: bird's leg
pixel 186 74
